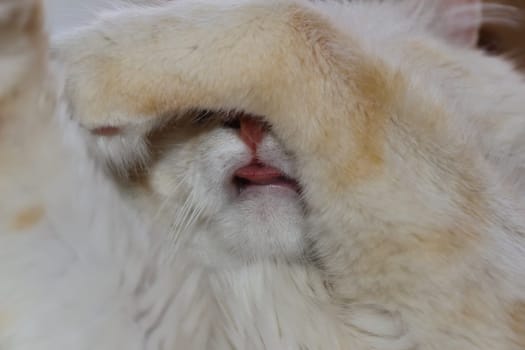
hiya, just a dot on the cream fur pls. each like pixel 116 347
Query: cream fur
pixel 412 187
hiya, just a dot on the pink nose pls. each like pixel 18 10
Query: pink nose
pixel 252 132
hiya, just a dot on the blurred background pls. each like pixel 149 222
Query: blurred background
pixel 499 39
pixel 509 40
pixel 65 14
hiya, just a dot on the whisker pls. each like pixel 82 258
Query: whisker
pixel 176 229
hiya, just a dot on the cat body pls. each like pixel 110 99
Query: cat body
pixel 84 269
pixel 411 191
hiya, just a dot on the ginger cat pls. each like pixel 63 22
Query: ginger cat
pixel 308 175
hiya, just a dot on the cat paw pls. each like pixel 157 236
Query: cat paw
pixel 22 42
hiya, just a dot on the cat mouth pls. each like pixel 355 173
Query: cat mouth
pixel 258 175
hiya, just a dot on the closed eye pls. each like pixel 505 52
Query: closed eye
pixel 203 116
pixel 230 119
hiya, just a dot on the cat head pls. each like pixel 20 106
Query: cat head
pixel 141 73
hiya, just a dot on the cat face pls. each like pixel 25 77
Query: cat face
pixel 232 184
pixel 226 189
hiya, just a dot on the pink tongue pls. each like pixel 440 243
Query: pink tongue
pixel 259 174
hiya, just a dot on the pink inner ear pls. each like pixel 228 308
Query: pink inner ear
pixel 460 20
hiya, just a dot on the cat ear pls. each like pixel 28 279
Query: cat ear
pixel 458 21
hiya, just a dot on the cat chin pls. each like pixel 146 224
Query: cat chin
pixel 267 224
pixel 262 222
pixel 284 192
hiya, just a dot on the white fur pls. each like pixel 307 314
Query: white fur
pixel 189 265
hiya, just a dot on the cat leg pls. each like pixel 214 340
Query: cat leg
pixel 121 85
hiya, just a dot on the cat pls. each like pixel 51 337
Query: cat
pixel 393 176
pixel 407 147
pixel 95 258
